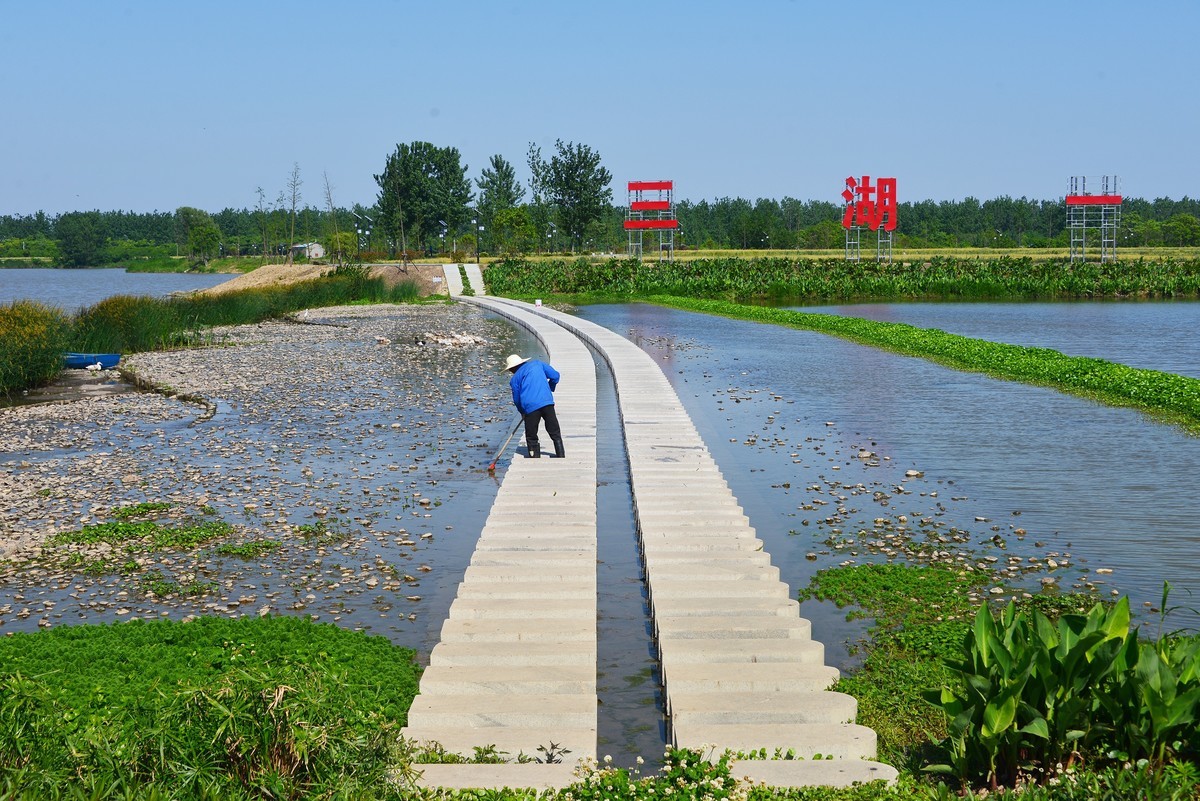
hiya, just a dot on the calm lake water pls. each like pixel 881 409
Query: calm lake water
pixel 786 412
pixel 1155 336
pixel 71 290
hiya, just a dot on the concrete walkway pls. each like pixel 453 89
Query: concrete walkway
pixel 740 669
pixel 516 664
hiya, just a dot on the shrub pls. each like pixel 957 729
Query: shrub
pixel 1036 695
pixel 33 338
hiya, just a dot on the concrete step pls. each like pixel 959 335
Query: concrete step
pixel 504 655
pixel 718 607
pixel 681 534
pixel 702 518
pixel 539 559
pixel 531 629
pixel 578 609
pixel 672 588
pixel 716 570
pixel 774 708
pixel 521 679
pixel 484 574
pixel 652 543
pixel 509 527
pixel 768 677
pixel 532 543
pixel 579 590
pixel 499 710
pixel 823 773
pixel 741 650
pixel 733 558
pixel 731 627
pixel 804 740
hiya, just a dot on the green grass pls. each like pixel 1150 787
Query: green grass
pixel 264 708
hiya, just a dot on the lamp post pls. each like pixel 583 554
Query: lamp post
pixel 362 227
pixel 550 236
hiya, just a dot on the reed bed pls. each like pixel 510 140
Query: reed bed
pixel 33 338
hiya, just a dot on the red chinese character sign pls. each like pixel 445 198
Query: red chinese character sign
pixel 872 206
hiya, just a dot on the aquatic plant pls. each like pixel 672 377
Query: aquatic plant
pixel 835 279
pixel 33 338
pixel 1173 397
pixel 274 707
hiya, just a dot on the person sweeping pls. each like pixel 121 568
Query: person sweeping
pixel 533 384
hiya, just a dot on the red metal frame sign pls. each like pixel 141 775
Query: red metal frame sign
pixel 871 205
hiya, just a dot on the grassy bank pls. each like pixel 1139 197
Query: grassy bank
pixel 1171 397
pixel 832 279
pixel 33 337
pixel 215 708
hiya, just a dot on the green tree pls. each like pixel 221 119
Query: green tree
pixel 578 188
pixel 513 231
pixel 80 238
pixel 198 234
pixel 422 187
pixel 540 211
pixel 1182 230
pixel 498 189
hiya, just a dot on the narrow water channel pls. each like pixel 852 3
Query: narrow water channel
pixel 630 718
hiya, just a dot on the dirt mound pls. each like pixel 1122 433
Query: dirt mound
pixel 427 276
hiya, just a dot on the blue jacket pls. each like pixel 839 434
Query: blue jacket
pixel 533 386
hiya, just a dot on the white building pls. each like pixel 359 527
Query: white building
pixel 313 250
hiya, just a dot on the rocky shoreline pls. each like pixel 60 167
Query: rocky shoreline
pixel 331 445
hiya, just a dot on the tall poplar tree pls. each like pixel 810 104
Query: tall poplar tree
pixel 421 187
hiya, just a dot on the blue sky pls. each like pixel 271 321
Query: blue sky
pixel 154 104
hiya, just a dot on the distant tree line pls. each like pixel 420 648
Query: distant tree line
pixel 427 204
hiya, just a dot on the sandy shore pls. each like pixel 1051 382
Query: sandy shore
pixel 342 439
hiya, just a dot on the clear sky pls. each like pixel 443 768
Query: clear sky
pixel 154 104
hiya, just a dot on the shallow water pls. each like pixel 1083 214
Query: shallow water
pixel 71 290
pixel 1160 335
pixel 784 411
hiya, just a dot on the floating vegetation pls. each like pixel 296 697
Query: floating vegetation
pixel 1174 398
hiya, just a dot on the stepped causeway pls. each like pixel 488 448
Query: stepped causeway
pixel 515 666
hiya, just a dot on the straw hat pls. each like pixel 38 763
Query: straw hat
pixel 513 362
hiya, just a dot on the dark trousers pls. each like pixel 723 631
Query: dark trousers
pixel 532 419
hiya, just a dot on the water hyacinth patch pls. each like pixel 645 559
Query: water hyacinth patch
pixel 1173 397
